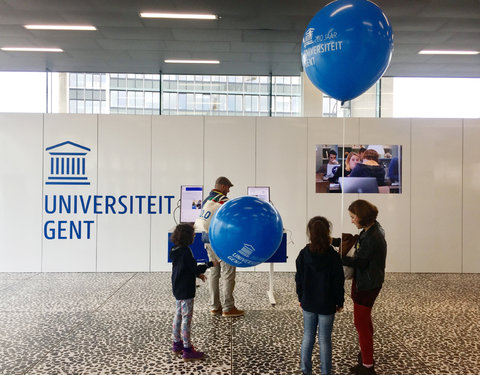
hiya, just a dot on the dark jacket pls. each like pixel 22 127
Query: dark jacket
pixel 364 170
pixel 184 272
pixel 319 281
pixel 369 259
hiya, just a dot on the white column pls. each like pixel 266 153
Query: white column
pixel 312 104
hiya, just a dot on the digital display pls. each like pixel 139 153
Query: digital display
pixel 190 203
pixel 262 192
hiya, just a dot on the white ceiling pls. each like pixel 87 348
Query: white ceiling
pixel 250 37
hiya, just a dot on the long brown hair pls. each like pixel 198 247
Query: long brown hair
pixel 318 230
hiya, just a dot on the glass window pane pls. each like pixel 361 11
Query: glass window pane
pixel 264 103
pixel 206 102
pixel 254 103
pixel 131 99
pixel 80 80
pixel 139 99
pixel 238 103
pixel 148 100
pixel 72 107
pixel 122 99
pixel 198 102
pixel 80 106
pixel 156 100
pixel 190 102
pixel 114 98
pixel 231 103
pixel 182 101
pixel 72 79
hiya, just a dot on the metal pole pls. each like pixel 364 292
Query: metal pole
pixel 46 91
pixel 271 95
pixel 160 93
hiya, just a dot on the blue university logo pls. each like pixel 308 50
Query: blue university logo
pixel 67 164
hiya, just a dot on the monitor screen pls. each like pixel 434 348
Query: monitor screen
pixel 262 192
pixel 191 197
pixel 358 184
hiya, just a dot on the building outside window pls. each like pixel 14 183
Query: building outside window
pixel 87 93
pixel 184 94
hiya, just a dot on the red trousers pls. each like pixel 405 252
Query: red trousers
pixel 362 317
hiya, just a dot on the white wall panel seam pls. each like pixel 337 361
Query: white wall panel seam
pixel 255 156
pixel 42 192
pixel 151 191
pixel 203 155
pixel 410 190
pixel 463 194
pixel 96 192
pixel 307 173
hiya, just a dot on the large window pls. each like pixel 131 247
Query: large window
pixel 87 93
pixel 136 94
pixel 436 97
pixel 185 94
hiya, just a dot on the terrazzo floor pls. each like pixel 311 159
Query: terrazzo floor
pixel 119 323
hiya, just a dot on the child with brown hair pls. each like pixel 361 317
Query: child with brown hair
pixel 184 272
pixel 319 280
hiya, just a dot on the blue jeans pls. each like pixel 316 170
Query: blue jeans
pixel 325 326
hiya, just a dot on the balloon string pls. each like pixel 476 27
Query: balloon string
pixel 343 174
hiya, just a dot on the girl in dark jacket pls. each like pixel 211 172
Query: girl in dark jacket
pixel 184 272
pixel 369 273
pixel 319 282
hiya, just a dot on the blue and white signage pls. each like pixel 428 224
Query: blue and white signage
pixel 67 164
pixel 71 215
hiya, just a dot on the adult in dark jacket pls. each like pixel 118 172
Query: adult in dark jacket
pixel 184 272
pixel 369 273
pixel 370 167
pixel 319 283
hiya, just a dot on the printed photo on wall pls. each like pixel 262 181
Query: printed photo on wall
pixel 358 169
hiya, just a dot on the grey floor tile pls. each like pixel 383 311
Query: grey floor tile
pixel 138 343
pixel 119 323
pixel 27 337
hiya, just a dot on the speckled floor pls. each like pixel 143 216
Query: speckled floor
pixel 119 323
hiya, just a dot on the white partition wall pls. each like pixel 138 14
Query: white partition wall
pixel 229 150
pixel 98 193
pixel 69 173
pixel 436 197
pixel 471 196
pixel 394 209
pixel 21 149
pixel 177 159
pixel 124 169
pixel 281 164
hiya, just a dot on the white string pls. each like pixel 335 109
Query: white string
pixel 343 175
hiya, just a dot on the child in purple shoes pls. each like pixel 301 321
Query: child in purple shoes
pixel 184 272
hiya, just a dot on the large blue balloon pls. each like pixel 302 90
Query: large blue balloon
pixel 347 47
pixel 245 231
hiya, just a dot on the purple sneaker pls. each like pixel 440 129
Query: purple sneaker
pixel 177 347
pixel 190 354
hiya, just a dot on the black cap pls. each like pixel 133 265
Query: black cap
pixel 223 181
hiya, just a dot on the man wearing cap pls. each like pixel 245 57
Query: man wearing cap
pixel 211 204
